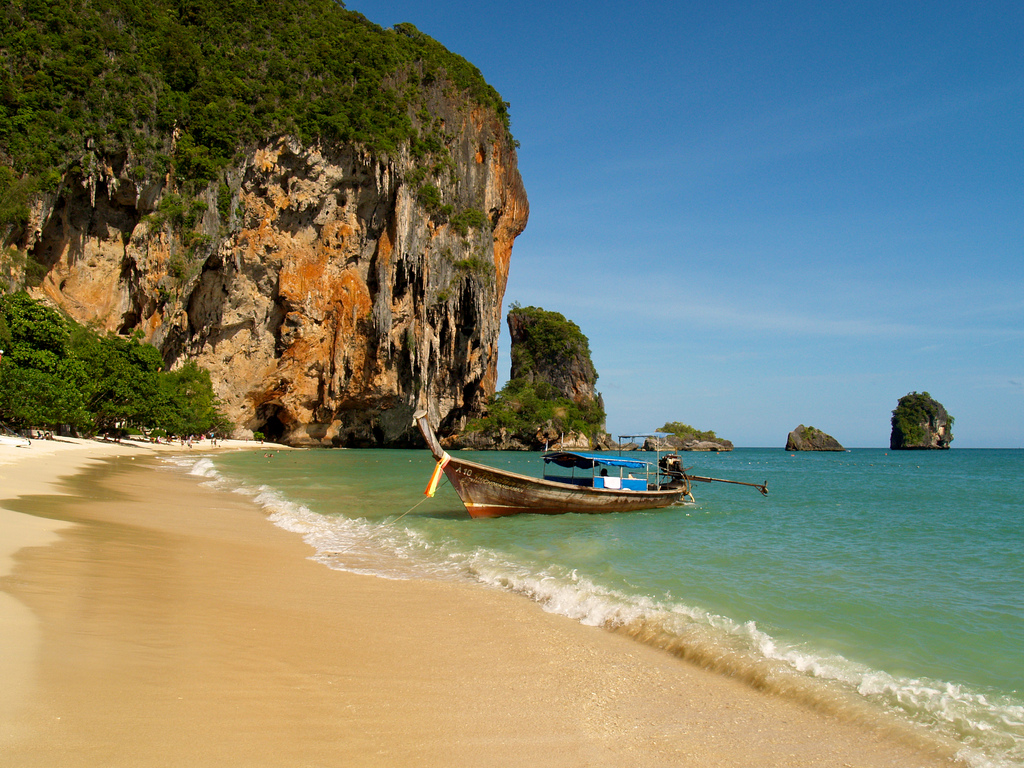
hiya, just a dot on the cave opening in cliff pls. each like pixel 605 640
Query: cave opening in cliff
pixel 272 429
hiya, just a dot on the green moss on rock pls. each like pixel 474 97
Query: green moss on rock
pixel 919 422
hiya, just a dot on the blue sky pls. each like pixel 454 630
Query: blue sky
pixel 764 214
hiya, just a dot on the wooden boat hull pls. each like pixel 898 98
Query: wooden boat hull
pixel 490 492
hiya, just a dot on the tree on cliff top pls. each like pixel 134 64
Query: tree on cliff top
pixel 116 78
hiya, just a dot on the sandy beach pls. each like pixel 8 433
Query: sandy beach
pixel 150 621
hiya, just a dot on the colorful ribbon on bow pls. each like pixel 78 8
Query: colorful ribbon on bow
pixel 435 478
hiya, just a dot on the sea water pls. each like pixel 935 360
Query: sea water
pixel 868 581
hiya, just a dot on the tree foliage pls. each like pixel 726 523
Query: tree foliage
pixel 547 348
pixel 549 339
pixel 122 379
pixel 41 381
pixel 110 77
pixel 915 415
pixel 522 406
pixel 686 432
pixel 55 372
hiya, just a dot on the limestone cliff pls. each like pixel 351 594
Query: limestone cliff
pixel 548 348
pixel 549 401
pixel 686 443
pixel 318 210
pixel 328 297
pixel 919 422
pixel 810 439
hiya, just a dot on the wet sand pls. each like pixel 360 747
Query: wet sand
pixel 155 622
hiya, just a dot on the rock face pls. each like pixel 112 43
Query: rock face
pixel 327 298
pixel 544 438
pixel 674 443
pixel 920 423
pixel 810 439
pixel 541 351
pixel 549 401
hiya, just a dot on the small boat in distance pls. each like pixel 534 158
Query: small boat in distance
pixel 605 483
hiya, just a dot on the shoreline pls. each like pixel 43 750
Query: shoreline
pixel 174 624
pixel 41 466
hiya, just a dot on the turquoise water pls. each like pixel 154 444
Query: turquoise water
pixel 866 582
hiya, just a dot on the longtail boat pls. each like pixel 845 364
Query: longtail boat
pixel 572 482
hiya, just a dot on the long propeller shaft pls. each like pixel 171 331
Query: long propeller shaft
pixel 762 487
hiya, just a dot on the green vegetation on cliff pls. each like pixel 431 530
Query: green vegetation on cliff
pixel 811 439
pixel 55 372
pixel 113 78
pixel 918 421
pixel 522 407
pixel 550 358
pixel 548 341
pixel 686 432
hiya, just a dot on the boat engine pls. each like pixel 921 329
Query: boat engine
pixel 671 465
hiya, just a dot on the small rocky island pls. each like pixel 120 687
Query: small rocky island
pixel 920 423
pixel 683 437
pixel 811 439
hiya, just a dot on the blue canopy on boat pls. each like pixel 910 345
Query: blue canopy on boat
pixel 590 460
